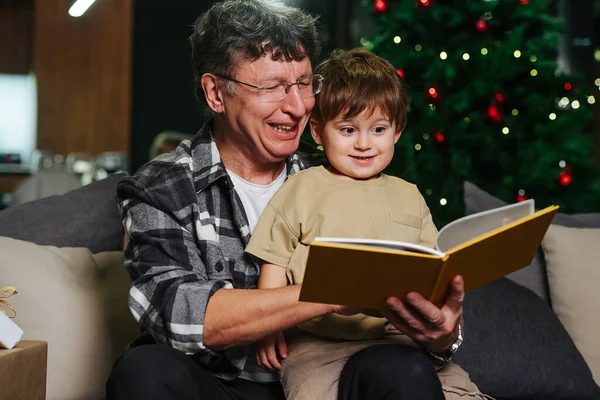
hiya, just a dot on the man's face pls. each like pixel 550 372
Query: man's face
pixel 268 131
pixel 359 147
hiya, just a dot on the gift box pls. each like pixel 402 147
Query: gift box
pixel 10 333
pixel 23 371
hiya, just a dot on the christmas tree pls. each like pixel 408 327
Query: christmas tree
pixel 489 103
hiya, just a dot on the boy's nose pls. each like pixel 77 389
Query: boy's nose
pixel 363 141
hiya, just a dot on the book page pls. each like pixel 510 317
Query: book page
pixel 472 226
pixel 380 244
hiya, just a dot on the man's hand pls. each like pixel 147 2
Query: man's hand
pixel 435 329
pixel 268 349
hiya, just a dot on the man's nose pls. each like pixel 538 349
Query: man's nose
pixel 295 104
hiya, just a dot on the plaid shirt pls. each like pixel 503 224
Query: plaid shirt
pixel 188 230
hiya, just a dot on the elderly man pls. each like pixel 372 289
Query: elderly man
pixel 190 213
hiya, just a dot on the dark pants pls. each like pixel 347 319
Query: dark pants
pixel 389 371
pixel 379 372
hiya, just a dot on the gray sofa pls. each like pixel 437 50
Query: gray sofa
pixel 64 254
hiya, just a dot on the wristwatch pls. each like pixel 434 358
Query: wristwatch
pixel 447 355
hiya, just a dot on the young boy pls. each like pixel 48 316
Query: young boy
pixel 358 117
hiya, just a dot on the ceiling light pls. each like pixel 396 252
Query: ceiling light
pixel 79 7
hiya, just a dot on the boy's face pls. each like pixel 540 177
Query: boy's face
pixel 359 147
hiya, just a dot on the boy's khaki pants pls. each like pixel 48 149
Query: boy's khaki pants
pixel 320 362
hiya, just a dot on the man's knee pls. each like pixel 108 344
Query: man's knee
pixel 148 372
pixel 403 370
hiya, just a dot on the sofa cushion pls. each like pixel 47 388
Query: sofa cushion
pixel 534 276
pixel 77 302
pixel 85 217
pixel 573 266
pixel 516 348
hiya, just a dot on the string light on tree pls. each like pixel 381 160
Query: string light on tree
pixel 517 53
pixel 439 137
pixel 466 56
pixel 499 97
pixel 533 72
pixel 552 116
pixel 443 55
pixel 380 6
pixel 423 3
pixel 524 1
pixel 575 104
pixel 400 73
pixel 568 86
pixel 591 99
pixel 563 103
pixel 443 202
pixel 397 39
pixel 521 196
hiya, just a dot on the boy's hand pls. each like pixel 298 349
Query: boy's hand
pixel 267 350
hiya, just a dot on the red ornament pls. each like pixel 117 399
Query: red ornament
pixel 400 73
pixel 565 178
pixel 439 137
pixel 494 113
pixel 521 198
pixel 432 95
pixel 481 25
pixel 568 86
pixel 524 1
pixel 380 6
pixel 499 98
pixel 433 92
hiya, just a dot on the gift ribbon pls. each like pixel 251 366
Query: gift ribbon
pixel 6 293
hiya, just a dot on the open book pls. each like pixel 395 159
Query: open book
pixel 481 247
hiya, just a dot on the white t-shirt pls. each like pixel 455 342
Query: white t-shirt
pixel 255 199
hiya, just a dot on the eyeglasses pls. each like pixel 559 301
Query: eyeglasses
pixel 272 91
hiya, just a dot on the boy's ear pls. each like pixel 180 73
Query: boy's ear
pixel 397 136
pixel 212 93
pixel 315 131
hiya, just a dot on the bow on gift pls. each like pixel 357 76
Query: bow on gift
pixel 6 293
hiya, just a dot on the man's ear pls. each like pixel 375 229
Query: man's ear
pixel 212 93
pixel 397 136
pixel 315 131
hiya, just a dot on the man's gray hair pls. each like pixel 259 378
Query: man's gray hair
pixel 244 30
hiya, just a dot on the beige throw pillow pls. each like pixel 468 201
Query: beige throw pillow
pixel 573 266
pixel 77 302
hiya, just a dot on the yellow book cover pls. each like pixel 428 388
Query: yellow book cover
pixel 481 247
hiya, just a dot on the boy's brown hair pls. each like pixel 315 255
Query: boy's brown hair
pixel 357 80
